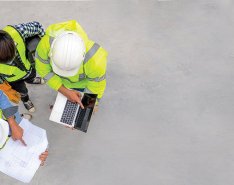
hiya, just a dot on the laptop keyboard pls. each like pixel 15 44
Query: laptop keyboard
pixel 69 113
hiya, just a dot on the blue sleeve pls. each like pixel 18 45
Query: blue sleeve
pixel 4 102
pixel 8 109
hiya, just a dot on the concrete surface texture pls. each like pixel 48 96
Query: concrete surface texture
pixel 167 114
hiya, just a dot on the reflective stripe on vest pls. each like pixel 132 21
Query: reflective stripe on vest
pixel 97 79
pixel 49 76
pixel 41 59
pixel 51 39
pixel 91 52
pixel 88 91
pixel 63 77
pixel 82 76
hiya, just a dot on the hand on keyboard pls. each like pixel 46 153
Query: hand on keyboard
pixel 75 97
pixel 72 95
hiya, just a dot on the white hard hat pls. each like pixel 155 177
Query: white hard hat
pixel 67 53
pixel 4 131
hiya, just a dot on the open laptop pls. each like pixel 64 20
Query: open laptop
pixel 71 114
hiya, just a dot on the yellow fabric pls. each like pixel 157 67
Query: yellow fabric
pixel 55 29
pixel 13 73
pixel 95 67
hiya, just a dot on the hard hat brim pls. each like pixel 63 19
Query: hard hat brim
pixel 64 73
pixel 4 131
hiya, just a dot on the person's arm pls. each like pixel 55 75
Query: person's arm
pixel 30 29
pixel 17 131
pixel 13 118
pixel 10 113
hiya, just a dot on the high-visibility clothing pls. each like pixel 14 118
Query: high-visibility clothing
pixel 13 73
pixel 91 74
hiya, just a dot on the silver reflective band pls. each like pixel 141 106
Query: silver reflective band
pixel 98 79
pixel 49 76
pixel 82 76
pixel 88 91
pixel 41 59
pixel 63 77
pixel 91 52
pixel 51 40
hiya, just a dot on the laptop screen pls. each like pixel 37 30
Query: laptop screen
pixel 89 100
pixel 83 116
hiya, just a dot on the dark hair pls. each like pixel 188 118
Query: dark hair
pixel 7 47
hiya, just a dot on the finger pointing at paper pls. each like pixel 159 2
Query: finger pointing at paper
pixel 17 131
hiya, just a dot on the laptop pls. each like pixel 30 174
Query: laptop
pixel 71 114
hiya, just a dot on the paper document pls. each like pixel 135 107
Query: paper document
pixel 19 161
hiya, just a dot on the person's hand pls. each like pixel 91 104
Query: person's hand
pixel 75 97
pixel 16 130
pixel 17 134
pixel 43 157
pixel 72 95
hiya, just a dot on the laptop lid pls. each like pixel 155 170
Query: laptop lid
pixel 84 115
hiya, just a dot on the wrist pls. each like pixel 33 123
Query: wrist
pixel 12 123
pixel 63 90
pixel 11 120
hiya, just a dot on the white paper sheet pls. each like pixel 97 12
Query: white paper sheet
pixel 19 161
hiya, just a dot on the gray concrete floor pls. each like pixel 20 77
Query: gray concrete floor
pixel 167 114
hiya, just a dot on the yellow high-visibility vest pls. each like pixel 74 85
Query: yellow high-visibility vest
pixel 91 74
pixel 13 73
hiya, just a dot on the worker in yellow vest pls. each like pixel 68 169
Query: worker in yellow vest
pixel 67 59
pixel 16 59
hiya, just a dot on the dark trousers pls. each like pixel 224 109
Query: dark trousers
pixel 20 85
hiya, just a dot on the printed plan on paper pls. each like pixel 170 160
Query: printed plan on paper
pixel 19 161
